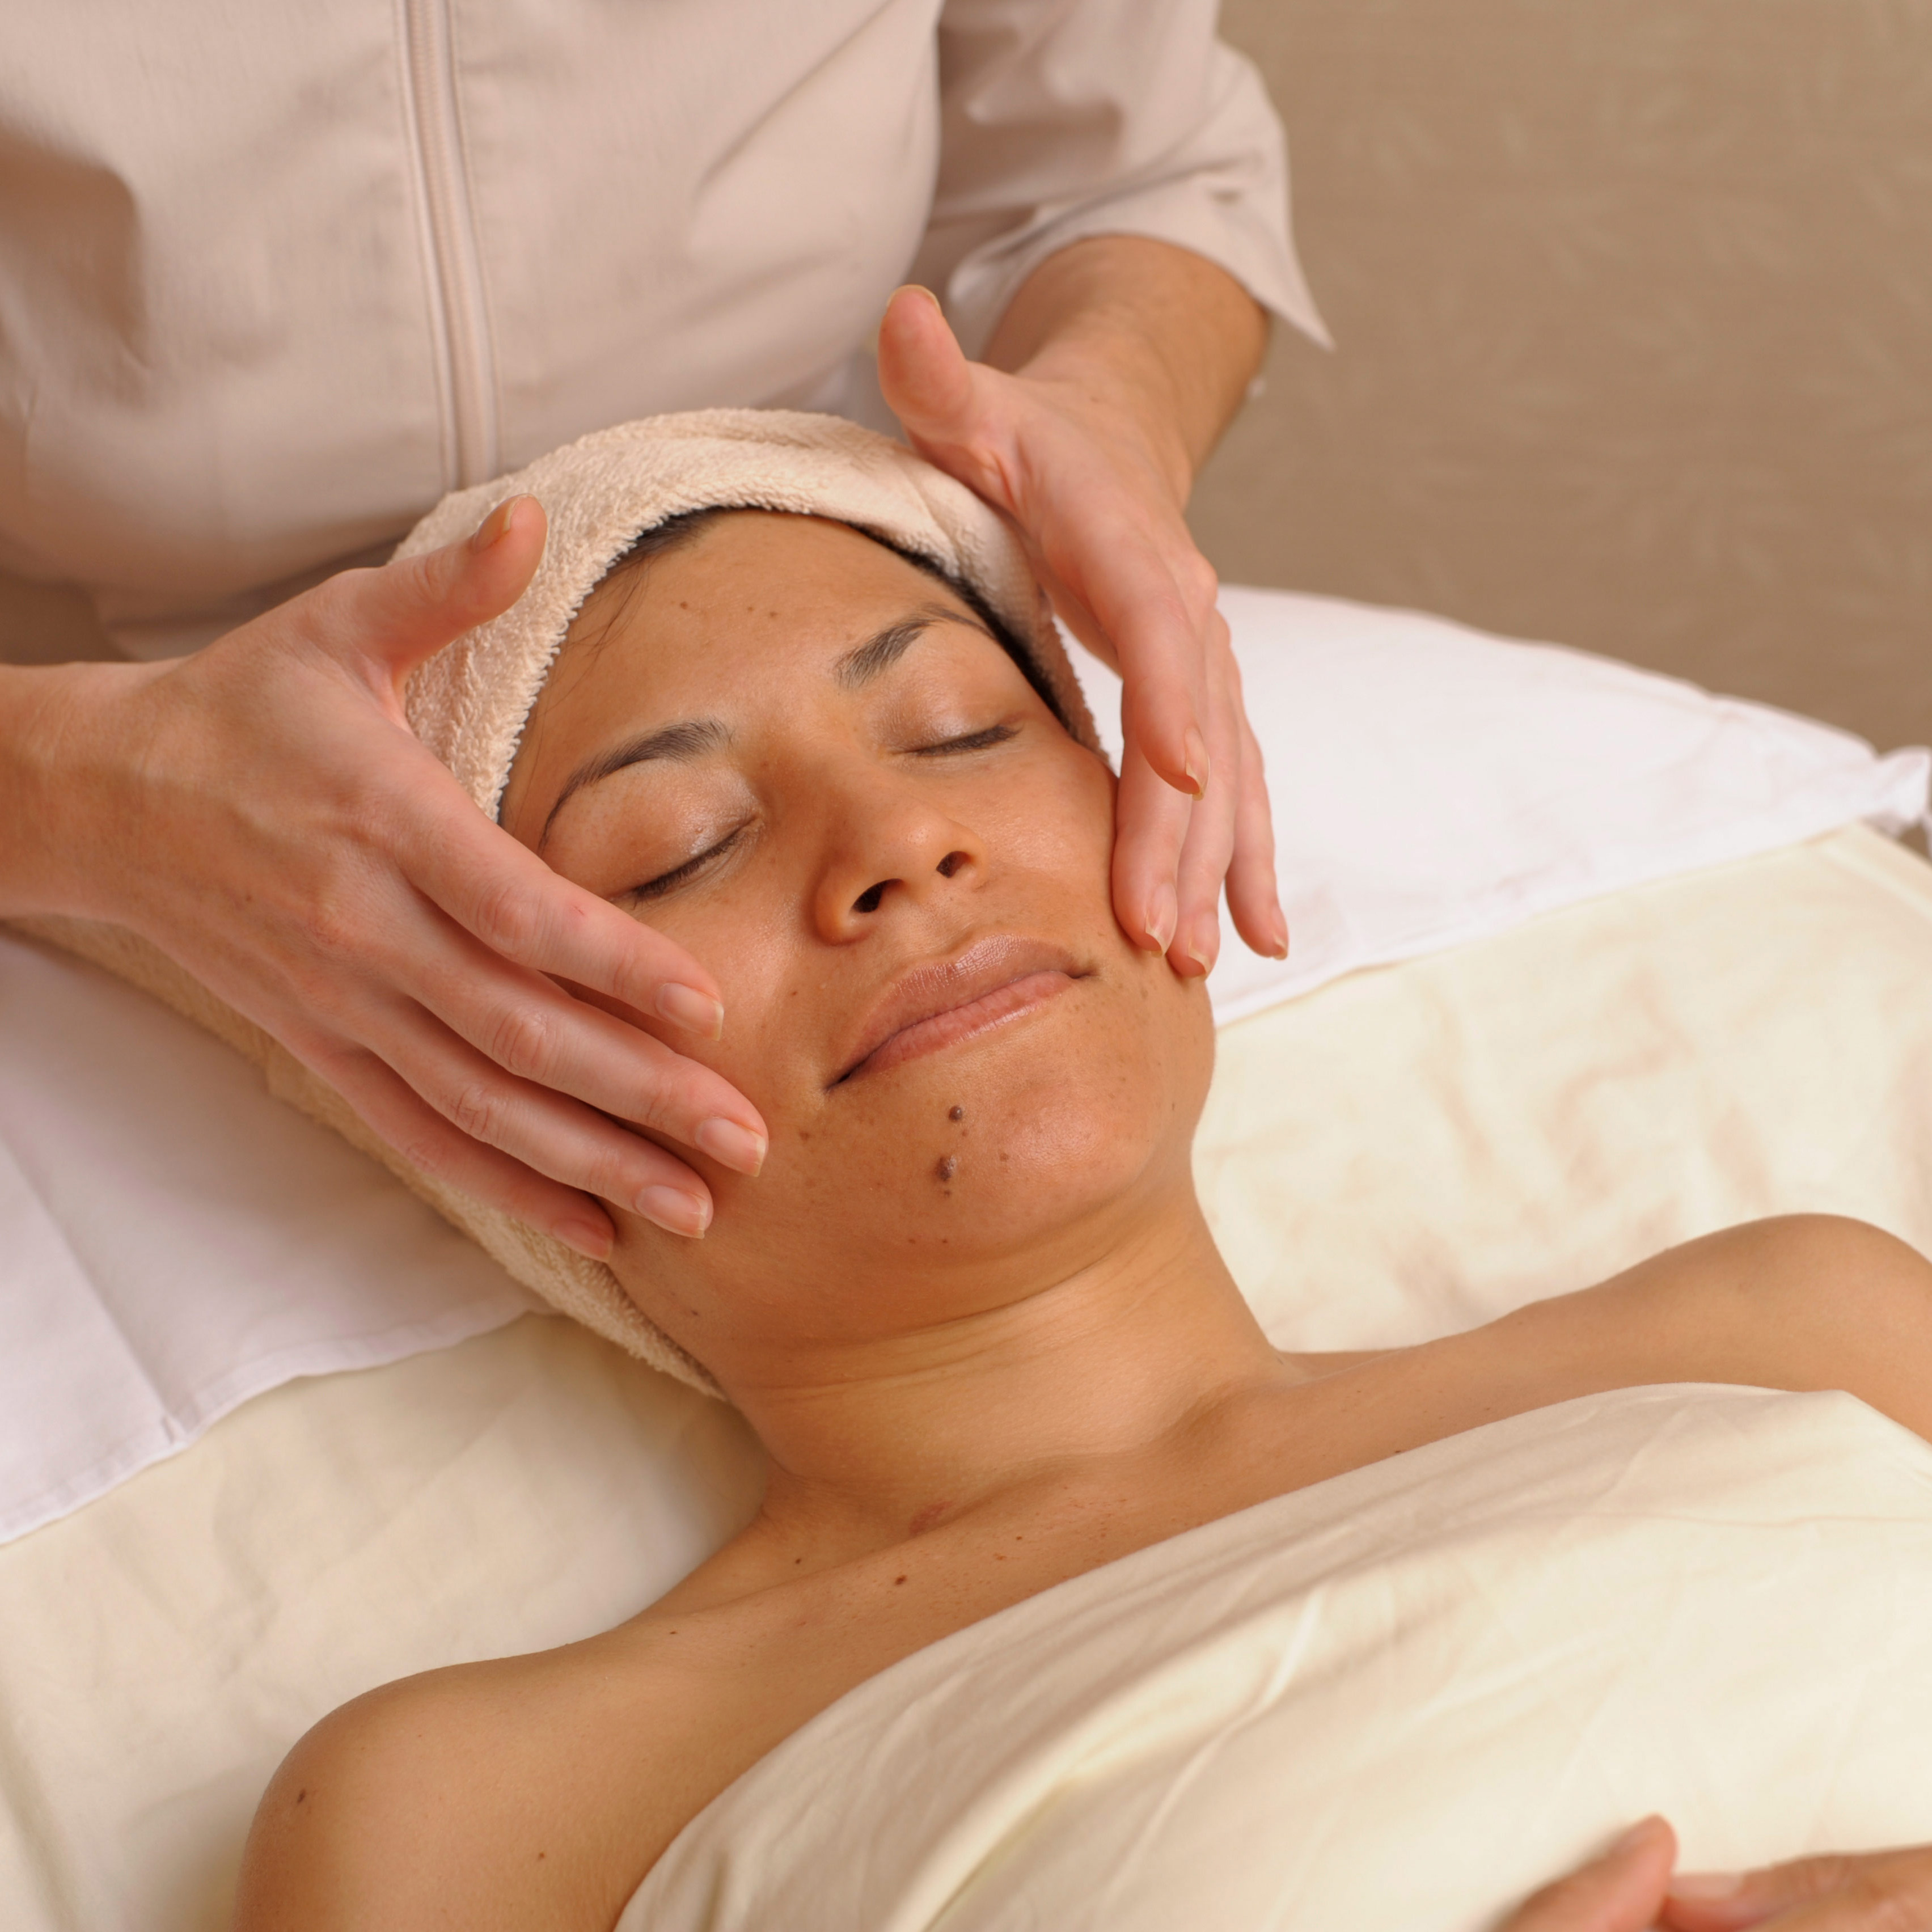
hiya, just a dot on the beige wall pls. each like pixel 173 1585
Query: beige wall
pixel 1633 300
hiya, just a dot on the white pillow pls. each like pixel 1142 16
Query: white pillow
pixel 173 1241
pixel 1432 783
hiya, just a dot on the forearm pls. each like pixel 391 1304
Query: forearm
pixel 1154 330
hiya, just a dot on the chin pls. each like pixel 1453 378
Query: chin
pixel 1075 1124
pixel 1069 1120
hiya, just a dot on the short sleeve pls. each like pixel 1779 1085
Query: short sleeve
pixel 1064 119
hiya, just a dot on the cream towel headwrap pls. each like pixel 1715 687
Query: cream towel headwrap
pixel 469 704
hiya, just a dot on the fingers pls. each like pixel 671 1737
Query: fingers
pixel 925 378
pixel 539 1036
pixel 1210 845
pixel 1618 1892
pixel 1875 1891
pixel 1162 642
pixel 401 612
pixel 518 910
pixel 1254 898
pixel 1098 510
pixel 1150 820
pixel 459 1117
pixel 1227 835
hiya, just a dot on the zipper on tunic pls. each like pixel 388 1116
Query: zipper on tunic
pixel 471 453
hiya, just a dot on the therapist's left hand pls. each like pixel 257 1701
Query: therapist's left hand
pixel 1070 451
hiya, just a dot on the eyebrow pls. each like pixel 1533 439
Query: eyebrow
pixel 883 649
pixel 679 743
pixel 694 737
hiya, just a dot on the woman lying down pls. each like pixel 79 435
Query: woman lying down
pixel 1073 1601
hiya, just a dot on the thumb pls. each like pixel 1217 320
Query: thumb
pixel 1622 1890
pixel 923 372
pixel 397 614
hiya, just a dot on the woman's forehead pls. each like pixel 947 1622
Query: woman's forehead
pixel 745 581
pixel 754 607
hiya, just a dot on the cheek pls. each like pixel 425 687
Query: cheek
pixel 1069 1122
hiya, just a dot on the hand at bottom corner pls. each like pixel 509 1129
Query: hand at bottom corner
pixel 1630 1888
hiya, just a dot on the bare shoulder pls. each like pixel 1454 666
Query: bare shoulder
pixel 1800 1302
pixel 479 1796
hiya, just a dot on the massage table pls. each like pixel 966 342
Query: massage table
pixel 1401 1152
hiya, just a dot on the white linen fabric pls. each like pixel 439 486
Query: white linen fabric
pixel 1405 1152
pixel 274 281
pixel 1431 783
pixel 1397 1701
pixel 174 1240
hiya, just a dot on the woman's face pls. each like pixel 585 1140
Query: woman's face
pixel 807 762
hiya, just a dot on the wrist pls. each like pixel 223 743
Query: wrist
pixel 1163 340
pixel 59 724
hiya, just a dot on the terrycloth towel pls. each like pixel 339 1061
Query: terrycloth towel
pixel 470 702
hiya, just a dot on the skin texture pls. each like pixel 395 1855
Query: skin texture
pixel 971 1308
pixel 259 812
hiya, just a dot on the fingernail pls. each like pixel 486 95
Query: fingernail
pixel 1707 1884
pixel 675 1211
pixel 1636 1835
pixel 1194 761
pixel 695 1012
pixel 586 1238
pixel 736 1147
pixel 1280 937
pixel 1160 922
pixel 1204 952
pixel 920 289
pixel 496 525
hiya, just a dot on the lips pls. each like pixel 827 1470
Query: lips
pixel 944 1001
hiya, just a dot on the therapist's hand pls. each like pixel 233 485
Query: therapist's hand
pixel 1125 357
pixel 262 813
pixel 1629 1888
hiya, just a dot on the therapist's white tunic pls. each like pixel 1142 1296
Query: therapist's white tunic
pixel 274 277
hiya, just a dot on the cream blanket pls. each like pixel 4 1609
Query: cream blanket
pixel 1395 1702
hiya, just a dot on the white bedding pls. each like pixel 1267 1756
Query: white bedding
pixel 173 1241
pixel 1398 1701
pixel 1402 1153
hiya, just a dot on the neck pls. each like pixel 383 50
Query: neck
pixel 871 1441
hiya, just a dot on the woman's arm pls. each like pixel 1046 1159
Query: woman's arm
pixel 262 813
pixel 1112 372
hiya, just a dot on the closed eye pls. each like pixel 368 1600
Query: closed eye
pixel 683 874
pixel 973 741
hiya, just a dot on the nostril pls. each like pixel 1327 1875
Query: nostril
pixel 951 864
pixel 869 900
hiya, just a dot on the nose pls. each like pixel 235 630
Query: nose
pixel 889 846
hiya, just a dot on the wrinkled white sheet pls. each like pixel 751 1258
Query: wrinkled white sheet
pixel 1396 1702
pixel 1408 1151
pixel 173 1240
pixel 1431 784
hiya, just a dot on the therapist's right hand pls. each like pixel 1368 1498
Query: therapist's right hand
pixel 262 813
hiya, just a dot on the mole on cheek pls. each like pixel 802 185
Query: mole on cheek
pixel 957 1113
pixel 947 1167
